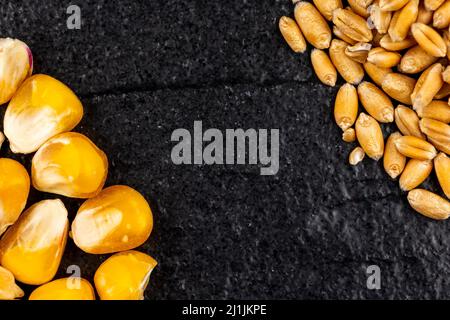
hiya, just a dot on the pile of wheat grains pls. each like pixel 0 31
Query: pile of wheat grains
pixel 404 47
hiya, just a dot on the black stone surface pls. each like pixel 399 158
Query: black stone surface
pixel 145 68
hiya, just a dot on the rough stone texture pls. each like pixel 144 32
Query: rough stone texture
pixel 146 68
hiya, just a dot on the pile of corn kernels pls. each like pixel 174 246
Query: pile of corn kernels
pixel 404 47
pixel 40 115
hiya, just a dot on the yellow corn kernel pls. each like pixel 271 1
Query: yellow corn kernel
pixel 442 168
pixel 9 290
pixel 14 189
pixel 32 248
pixel 64 289
pixel 399 87
pixel 40 109
pixel 71 165
pixel 370 136
pixel 124 276
pixel 346 106
pixel 415 172
pixel 407 122
pixel 376 102
pixel 16 63
pixel 393 161
pixel 118 219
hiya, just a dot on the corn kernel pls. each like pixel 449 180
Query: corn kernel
pixel 9 290
pixel 2 139
pixel 16 63
pixel 64 289
pixel 70 165
pixel 32 248
pixel 14 189
pixel 40 109
pixel 118 219
pixel 124 276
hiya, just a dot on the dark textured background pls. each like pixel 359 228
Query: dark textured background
pixel 145 68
